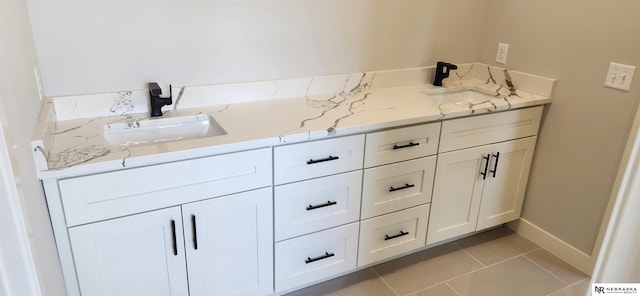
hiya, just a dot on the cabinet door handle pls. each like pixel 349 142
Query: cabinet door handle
pixel 486 166
pixel 325 256
pixel 402 233
pixel 328 203
pixel 330 158
pixel 406 186
pixel 411 144
pixel 194 232
pixel 495 164
pixel 173 237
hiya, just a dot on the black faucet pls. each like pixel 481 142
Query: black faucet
pixel 442 72
pixel 156 101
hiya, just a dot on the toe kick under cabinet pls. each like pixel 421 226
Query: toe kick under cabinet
pixel 276 219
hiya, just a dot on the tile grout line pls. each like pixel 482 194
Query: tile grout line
pixel 385 282
pixel 569 286
pixel 452 289
pixel 429 287
pixel 482 268
pixel 546 270
pixel 469 254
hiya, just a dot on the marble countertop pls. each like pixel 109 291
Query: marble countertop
pixel 70 147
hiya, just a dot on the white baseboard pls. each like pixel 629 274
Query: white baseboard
pixel 553 245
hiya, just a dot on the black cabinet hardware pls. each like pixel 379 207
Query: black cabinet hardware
pixel 495 164
pixel 411 144
pixel 402 233
pixel 325 256
pixel 406 186
pixel 194 232
pixel 328 203
pixel 173 237
pixel 486 166
pixel 312 161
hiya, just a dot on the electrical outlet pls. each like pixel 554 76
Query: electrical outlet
pixel 36 73
pixel 501 56
pixel 619 76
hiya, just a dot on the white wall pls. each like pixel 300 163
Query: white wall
pixel 19 96
pixel 586 127
pixel 17 269
pixel 96 46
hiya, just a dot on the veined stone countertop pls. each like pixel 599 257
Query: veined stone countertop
pixel 69 140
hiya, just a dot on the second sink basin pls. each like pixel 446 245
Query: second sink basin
pixel 157 130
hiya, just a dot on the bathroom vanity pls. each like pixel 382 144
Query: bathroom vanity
pixel 320 178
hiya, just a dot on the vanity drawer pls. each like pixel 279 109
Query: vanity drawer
pixel 397 186
pixel 316 204
pixel 315 159
pixel 315 256
pixel 401 144
pixel 108 195
pixel 490 128
pixel 392 234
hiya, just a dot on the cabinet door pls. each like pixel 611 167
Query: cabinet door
pixel 504 190
pixel 229 242
pixel 136 255
pixel 457 193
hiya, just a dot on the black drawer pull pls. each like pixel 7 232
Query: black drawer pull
pixel 194 232
pixel 486 166
pixel 325 256
pixel 328 203
pixel 495 164
pixel 406 186
pixel 330 158
pixel 402 233
pixel 411 144
pixel 173 237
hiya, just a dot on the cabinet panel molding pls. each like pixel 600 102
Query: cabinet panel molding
pixel 108 195
pixel 135 255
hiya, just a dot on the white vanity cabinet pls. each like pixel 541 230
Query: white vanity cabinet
pixel 480 187
pixel 225 250
pixel 317 215
pixel 274 219
pixel 162 236
pixel 397 185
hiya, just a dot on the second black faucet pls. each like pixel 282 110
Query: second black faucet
pixel 442 72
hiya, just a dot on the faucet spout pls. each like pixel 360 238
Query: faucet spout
pixel 156 102
pixel 442 72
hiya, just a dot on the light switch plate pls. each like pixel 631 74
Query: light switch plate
pixel 619 76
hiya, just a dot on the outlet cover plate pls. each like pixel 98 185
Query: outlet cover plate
pixel 619 76
pixel 501 55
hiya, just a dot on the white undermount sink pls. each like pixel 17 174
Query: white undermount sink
pixel 462 96
pixel 157 130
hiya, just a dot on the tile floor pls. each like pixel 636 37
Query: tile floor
pixel 498 262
